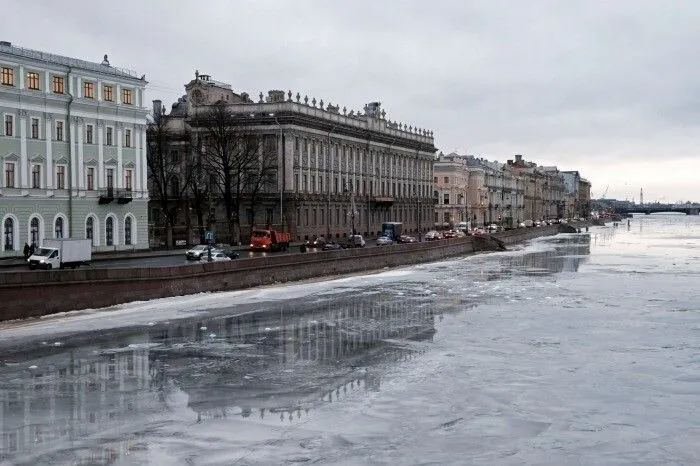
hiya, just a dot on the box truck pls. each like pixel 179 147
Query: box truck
pixel 60 253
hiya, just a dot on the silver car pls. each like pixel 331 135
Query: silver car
pixel 196 253
pixel 384 241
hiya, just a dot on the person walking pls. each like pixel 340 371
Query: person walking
pixel 26 251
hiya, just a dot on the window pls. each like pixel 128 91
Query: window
pixel 268 216
pixel 9 175
pixel 127 138
pixel 446 199
pixel 109 136
pixel 34 230
pixel 90 229
pixel 90 175
pixel 36 176
pixel 446 179
pixel 58 84
pixel 110 179
pixel 9 229
pixel 8 76
pixel 60 177
pixel 89 90
pixel 127 230
pixel 33 80
pixel 108 93
pixel 174 156
pixel 9 127
pixel 128 177
pixel 446 217
pixel 35 128
pixel 127 96
pixel 88 134
pixel 109 231
pixel 59 131
pixel 58 228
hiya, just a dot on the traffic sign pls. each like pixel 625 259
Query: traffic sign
pixel 209 235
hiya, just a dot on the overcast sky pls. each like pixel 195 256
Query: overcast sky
pixel 610 88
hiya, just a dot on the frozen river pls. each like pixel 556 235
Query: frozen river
pixel 574 349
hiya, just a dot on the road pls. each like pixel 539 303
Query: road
pixel 170 260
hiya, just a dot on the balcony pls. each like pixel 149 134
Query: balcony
pixel 124 196
pixel 106 196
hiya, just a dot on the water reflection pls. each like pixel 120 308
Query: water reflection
pixel 567 255
pixel 94 403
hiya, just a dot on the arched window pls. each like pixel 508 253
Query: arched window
pixel 109 231
pixel 127 230
pixel 9 229
pixel 34 231
pixel 90 229
pixel 58 228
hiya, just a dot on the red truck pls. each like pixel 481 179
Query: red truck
pixel 269 240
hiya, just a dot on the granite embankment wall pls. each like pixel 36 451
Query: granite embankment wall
pixel 33 294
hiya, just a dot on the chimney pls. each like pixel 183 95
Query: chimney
pixel 157 107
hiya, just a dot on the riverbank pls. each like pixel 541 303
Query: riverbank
pixel 25 295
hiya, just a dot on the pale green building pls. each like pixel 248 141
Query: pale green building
pixel 72 151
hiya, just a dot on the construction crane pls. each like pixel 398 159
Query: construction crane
pixel 602 196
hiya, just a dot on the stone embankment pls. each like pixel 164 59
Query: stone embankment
pixel 25 295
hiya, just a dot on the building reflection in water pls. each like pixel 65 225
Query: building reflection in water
pixel 91 403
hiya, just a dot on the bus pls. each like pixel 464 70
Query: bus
pixel 392 230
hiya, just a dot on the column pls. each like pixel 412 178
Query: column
pixel 24 163
pixel 137 162
pixel 21 77
pixel 47 82
pixel 98 89
pixel 73 156
pixel 79 142
pixel 79 85
pixel 120 175
pixel 100 154
pixel 144 169
pixel 48 134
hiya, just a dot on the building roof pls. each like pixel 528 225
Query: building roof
pixel 103 68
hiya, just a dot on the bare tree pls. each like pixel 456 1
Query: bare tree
pixel 262 178
pixel 229 153
pixel 169 181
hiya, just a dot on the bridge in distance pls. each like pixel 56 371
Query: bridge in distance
pixel 655 208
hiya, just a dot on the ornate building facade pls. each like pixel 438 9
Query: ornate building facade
pixel 336 170
pixel 72 148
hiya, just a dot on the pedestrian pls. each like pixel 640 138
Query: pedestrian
pixel 32 248
pixel 26 251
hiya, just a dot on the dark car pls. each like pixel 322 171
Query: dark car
pixel 316 242
pixel 227 250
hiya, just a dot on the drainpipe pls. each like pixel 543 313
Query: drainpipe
pixel 70 155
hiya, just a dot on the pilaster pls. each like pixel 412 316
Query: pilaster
pixel 120 172
pixel 73 156
pixel 80 165
pixel 24 163
pixel 137 163
pixel 100 154
pixel 48 137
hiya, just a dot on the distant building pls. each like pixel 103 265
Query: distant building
pixel 72 147
pixel 334 167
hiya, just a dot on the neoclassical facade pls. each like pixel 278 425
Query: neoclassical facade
pixel 72 152
pixel 335 168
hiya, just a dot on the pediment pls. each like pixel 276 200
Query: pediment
pixel 90 162
pixel 111 162
pixel 37 159
pixel 61 161
pixel 129 164
pixel 11 158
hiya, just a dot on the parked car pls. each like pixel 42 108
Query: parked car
pixel 433 235
pixel 494 227
pixel 407 239
pixel 479 232
pixel 216 256
pixel 332 246
pixel 195 253
pixel 384 241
